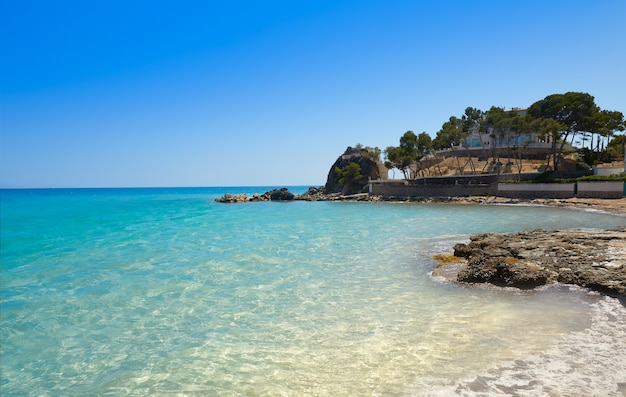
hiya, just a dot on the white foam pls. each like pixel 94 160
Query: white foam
pixel 591 362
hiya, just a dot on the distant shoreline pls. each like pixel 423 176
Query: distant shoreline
pixel 616 206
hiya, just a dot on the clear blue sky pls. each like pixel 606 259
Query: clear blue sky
pixel 225 93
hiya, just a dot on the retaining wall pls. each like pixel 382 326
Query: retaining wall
pixel 604 189
pixel 392 189
pixel 466 186
pixel 537 190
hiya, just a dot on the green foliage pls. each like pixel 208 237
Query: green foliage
pixel 574 113
pixel 470 118
pixel 373 153
pixel 609 178
pixel 573 109
pixel 500 123
pixel 589 157
pixel 412 149
pixel 424 145
pixel 369 152
pixel 546 177
pixel 350 174
pixel 543 177
pixel 451 133
pixel 616 147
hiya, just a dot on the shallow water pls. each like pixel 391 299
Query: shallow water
pixel 163 291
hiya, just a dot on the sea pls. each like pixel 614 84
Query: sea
pixel 164 292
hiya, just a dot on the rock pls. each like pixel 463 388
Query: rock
pixel 590 258
pixel 282 194
pixel 370 168
pixel 316 194
pixel 259 197
pixel 229 198
pixel 504 272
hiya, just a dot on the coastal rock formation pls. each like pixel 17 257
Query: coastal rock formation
pixel 233 198
pixel 282 194
pixel 591 258
pixel 316 194
pixel 370 168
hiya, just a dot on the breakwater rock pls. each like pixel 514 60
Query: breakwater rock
pixel 590 258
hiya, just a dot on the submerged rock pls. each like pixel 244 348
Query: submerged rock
pixel 591 258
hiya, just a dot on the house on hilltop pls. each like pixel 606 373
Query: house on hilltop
pixel 533 144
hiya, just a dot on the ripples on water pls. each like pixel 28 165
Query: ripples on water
pixel 163 291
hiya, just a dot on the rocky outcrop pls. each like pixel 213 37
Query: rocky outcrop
pixel 241 198
pixel 370 168
pixel 591 258
pixel 282 194
pixel 316 194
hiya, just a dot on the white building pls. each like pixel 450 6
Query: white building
pixel 530 142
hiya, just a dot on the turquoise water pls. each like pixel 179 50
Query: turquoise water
pixel 165 292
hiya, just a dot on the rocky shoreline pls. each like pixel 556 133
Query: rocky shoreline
pixel 283 194
pixel 591 258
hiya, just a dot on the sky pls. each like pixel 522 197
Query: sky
pixel 156 93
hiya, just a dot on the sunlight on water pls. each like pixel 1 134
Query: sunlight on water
pixel 158 292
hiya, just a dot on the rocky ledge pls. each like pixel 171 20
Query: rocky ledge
pixel 590 258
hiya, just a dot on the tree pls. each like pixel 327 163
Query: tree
pixel 547 127
pixel 396 157
pixel 373 153
pixel 505 129
pixel 450 134
pixel 574 111
pixel 603 125
pixel 424 145
pixel 471 118
pixel 617 146
pixel 520 126
pixel 350 176
pixel 495 124
pixel 412 149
